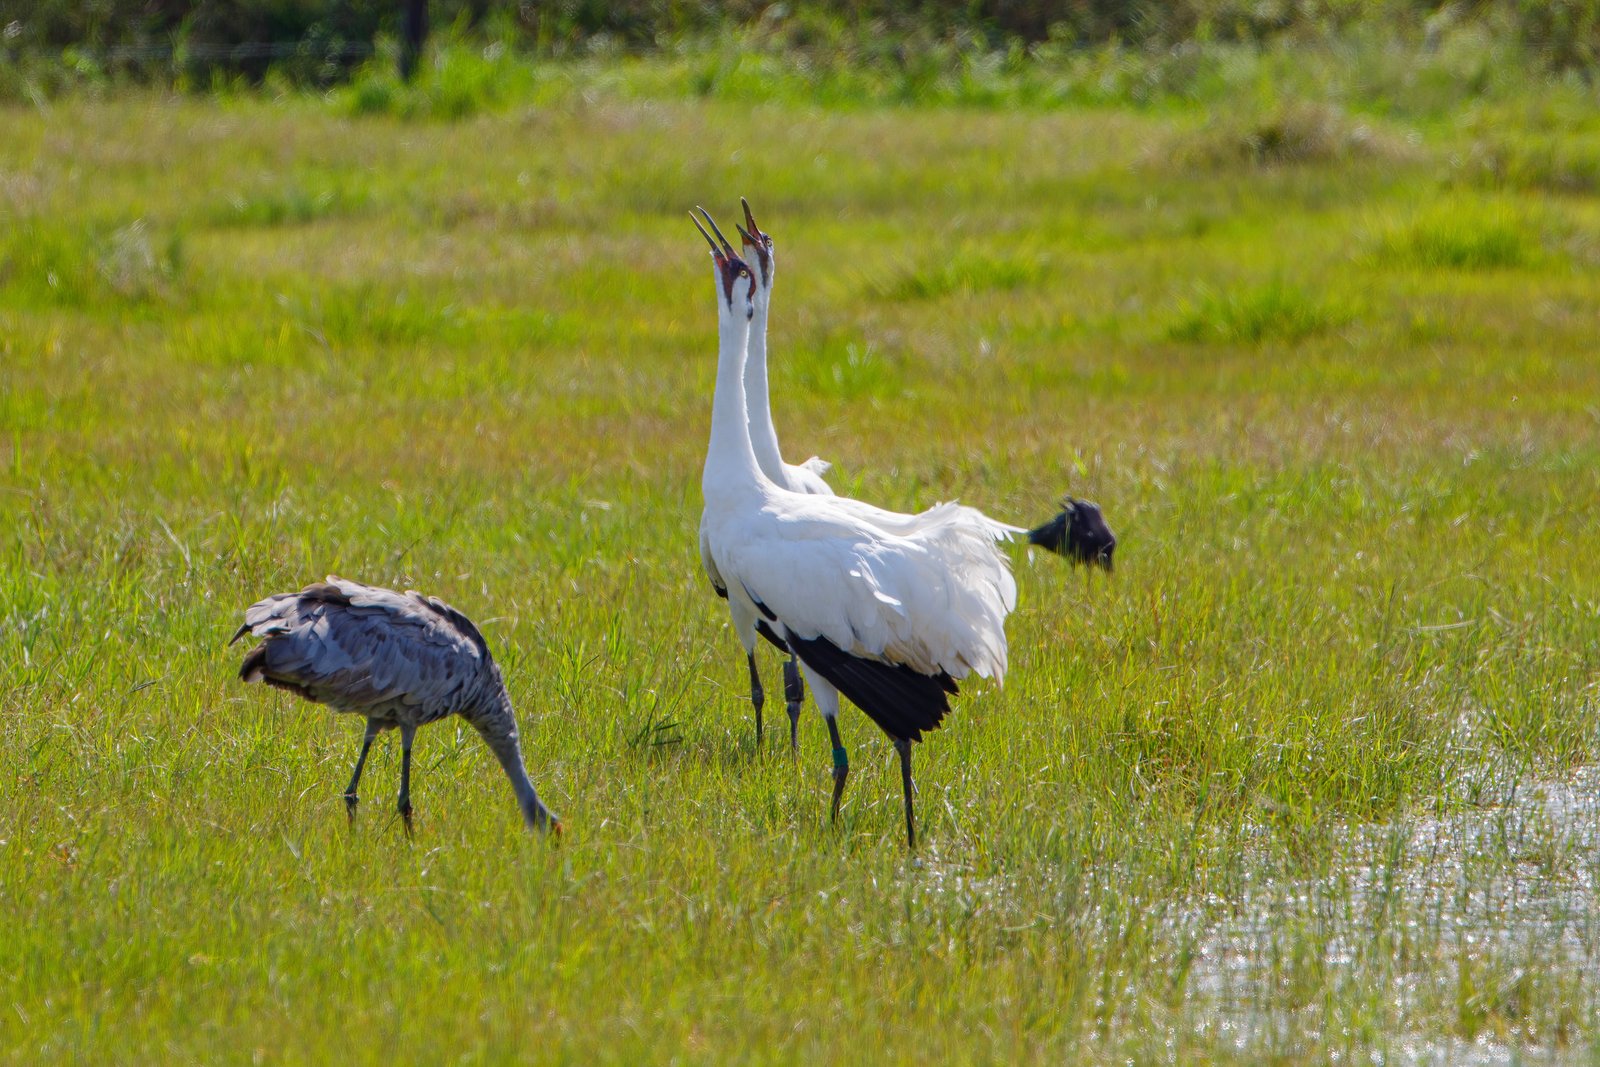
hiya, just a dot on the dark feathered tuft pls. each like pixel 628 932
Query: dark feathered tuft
pixel 902 702
pixel 254 667
pixel 1079 533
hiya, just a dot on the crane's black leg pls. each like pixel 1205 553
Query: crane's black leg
pixel 407 734
pixel 902 746
pixel 841 765
pixel 350 798
pixel 794 694
pixel 758 696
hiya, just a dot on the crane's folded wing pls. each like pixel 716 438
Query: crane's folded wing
pixel 932 601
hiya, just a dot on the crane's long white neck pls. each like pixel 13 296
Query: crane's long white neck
pixel 731 467
pixel 758 405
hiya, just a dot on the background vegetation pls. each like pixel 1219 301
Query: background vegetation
pixel 48 44
pixel 1312 317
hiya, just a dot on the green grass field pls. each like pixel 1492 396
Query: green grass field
pixel 1303 781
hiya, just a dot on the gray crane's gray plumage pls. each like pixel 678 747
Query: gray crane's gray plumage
pixel 400 661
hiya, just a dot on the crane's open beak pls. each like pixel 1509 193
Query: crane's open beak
pixel 731 265
pixel 754 238
pixel 726 247
pixel 716 253
pixel 750 221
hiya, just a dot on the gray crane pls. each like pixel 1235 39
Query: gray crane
pixel 400 661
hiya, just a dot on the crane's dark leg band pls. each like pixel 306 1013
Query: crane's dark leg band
pixel 758 696
pixel 902 746
pixel 841 766
pixel 794 695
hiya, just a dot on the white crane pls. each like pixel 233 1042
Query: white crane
pixel 1078 532
pixel 893 620
pixel 802 478
pixel 399 661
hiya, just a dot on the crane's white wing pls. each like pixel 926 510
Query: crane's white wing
pixel 906 523
pixel 933 600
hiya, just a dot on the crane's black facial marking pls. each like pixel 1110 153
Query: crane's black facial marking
pixel 732 271
pixel 762 250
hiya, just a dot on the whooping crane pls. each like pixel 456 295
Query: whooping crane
pixel 893 620
pixel 1079 532
pixel 760 255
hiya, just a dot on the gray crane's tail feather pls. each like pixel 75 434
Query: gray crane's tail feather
pixel 254 669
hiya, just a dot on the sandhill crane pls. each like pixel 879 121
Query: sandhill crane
pixel 891 620
pixel 401 661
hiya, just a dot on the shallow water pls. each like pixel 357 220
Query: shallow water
pixel 1470 936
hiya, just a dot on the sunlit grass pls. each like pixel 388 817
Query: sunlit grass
pixel 1465 236
pixel 1336 410
pixel 1271 312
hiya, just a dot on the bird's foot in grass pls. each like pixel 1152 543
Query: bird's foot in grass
pixel 405 816
pixel 351 802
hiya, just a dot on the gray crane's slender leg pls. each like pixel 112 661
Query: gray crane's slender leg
pixel 350 798
pixel 902 746
pixel 758 696
pixel 794 694
pixel 407 734
pixel 841 764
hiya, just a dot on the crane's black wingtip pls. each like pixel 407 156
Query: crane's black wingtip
pixel 903 702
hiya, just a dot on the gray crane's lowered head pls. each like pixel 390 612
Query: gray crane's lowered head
pixel 399 660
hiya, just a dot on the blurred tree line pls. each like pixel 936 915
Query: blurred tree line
pixel 321 41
